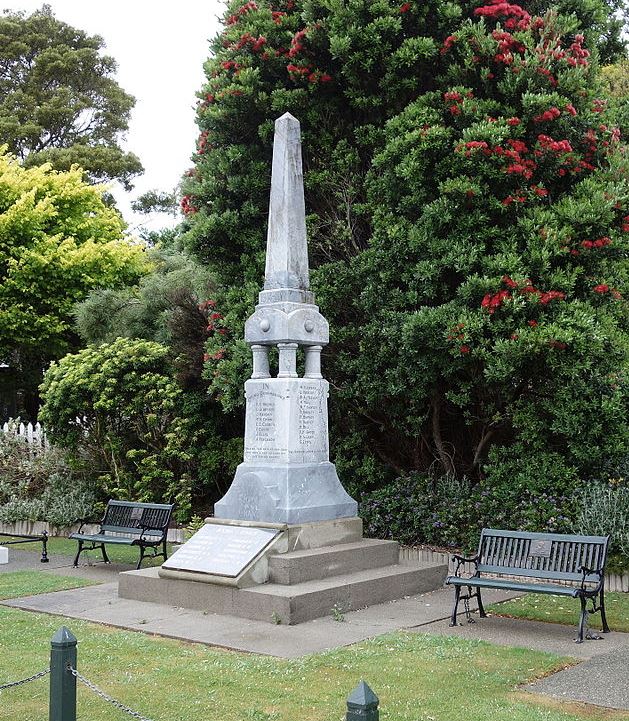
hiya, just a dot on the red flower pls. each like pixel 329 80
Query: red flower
pixel 405 7
pixel 464 349
pixel 602 288
pixel 513 121
pixel 548 115
pixel 533 323
pixel 509 282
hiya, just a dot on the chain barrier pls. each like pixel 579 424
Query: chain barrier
pixel 34 677
pixel 106 697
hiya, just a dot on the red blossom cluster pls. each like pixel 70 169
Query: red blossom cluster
pixel 296 44
pixel 187 208
pixel 248 39
pixel 557 344
pixel 548 115
pixel 603 289
pixel 277 16
pixel 241 11
pixel 405 7
pixel 598 243
pixel 555 146
pixel 547 74
pixel 517 17
pixel 625 224
pixel 492 301
pixel 313 76
pixel 507 46
pixel 448 43
pixel 202 142
pixel 455 98
pixel 204 305
pixel 230 65
pixel 578 52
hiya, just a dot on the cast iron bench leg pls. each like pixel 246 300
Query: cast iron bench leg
pixel 481 608
pixel 104 552
pixel 582 620
pixel 602 607
pixel 78 553
pixel 457 593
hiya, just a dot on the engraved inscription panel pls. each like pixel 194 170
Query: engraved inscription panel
pixel 265 439
pixel 221 550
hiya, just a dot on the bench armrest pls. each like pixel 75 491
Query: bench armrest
pixel 145 527
pixel 585 571
pixel 83 521
pixel 460 560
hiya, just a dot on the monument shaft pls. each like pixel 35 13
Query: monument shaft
pixel 286 475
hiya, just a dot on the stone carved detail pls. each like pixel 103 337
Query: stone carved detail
pixel 286 475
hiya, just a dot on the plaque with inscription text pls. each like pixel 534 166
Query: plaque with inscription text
pixel 220 550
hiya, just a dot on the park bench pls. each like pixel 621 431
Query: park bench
pixel 129 524
pixel 536 563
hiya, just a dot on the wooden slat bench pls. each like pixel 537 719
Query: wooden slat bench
pixel 129 524
pixel 531 562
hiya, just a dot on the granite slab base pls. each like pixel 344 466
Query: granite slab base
pixel 286 604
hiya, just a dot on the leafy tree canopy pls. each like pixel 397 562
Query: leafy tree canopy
pixel 59 101
pixel 58 240
pixel 468 195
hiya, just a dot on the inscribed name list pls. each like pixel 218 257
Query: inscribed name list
pixel 221 550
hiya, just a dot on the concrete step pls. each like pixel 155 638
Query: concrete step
pixel 321 563
pixel 279 603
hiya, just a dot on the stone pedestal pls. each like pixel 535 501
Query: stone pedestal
pixel 286 475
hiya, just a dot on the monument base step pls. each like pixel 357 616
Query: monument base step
pixel 287 604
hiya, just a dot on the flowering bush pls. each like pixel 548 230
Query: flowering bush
pixel 467 190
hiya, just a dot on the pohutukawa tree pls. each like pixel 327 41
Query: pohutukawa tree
pixel 468 197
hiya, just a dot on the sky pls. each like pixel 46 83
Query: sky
pixel 160 47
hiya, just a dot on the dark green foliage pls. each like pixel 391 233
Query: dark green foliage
pixel 59 102
pixel 467 192
pixel 171 306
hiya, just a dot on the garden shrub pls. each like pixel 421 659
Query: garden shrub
pixel 119 405
pixel 42 484
pixel 604 511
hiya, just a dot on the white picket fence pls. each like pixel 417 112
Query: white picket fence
pixel 32 434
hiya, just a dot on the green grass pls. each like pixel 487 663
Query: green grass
pixel 559 609
pixel 30 583
pixel 66 547
pixel 417 677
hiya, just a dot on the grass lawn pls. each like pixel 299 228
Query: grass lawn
pixel 559 609
pixel 30 583
pixel 417 677
pixel 60 546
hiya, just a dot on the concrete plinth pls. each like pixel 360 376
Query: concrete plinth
pixel 311 570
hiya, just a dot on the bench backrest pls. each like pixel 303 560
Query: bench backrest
pixel 133 518
pixel 541 555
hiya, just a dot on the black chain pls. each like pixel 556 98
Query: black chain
pixel 34 677
pixel 93 687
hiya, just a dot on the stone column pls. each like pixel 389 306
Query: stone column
pixel 288 360
pixel 313 361
pixel 260 361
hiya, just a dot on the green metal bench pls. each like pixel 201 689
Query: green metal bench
pixel 129 524
pixel 534 559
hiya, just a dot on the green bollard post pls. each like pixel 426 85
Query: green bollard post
pixel 362 704
pixel 62 681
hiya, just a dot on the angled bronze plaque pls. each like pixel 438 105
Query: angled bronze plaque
pixel 221 550
pixel 540 548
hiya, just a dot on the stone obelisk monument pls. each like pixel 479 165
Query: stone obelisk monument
pixel 286 475
pixel 285 542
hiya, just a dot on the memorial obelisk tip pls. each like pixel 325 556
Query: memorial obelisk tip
pixel 286 248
